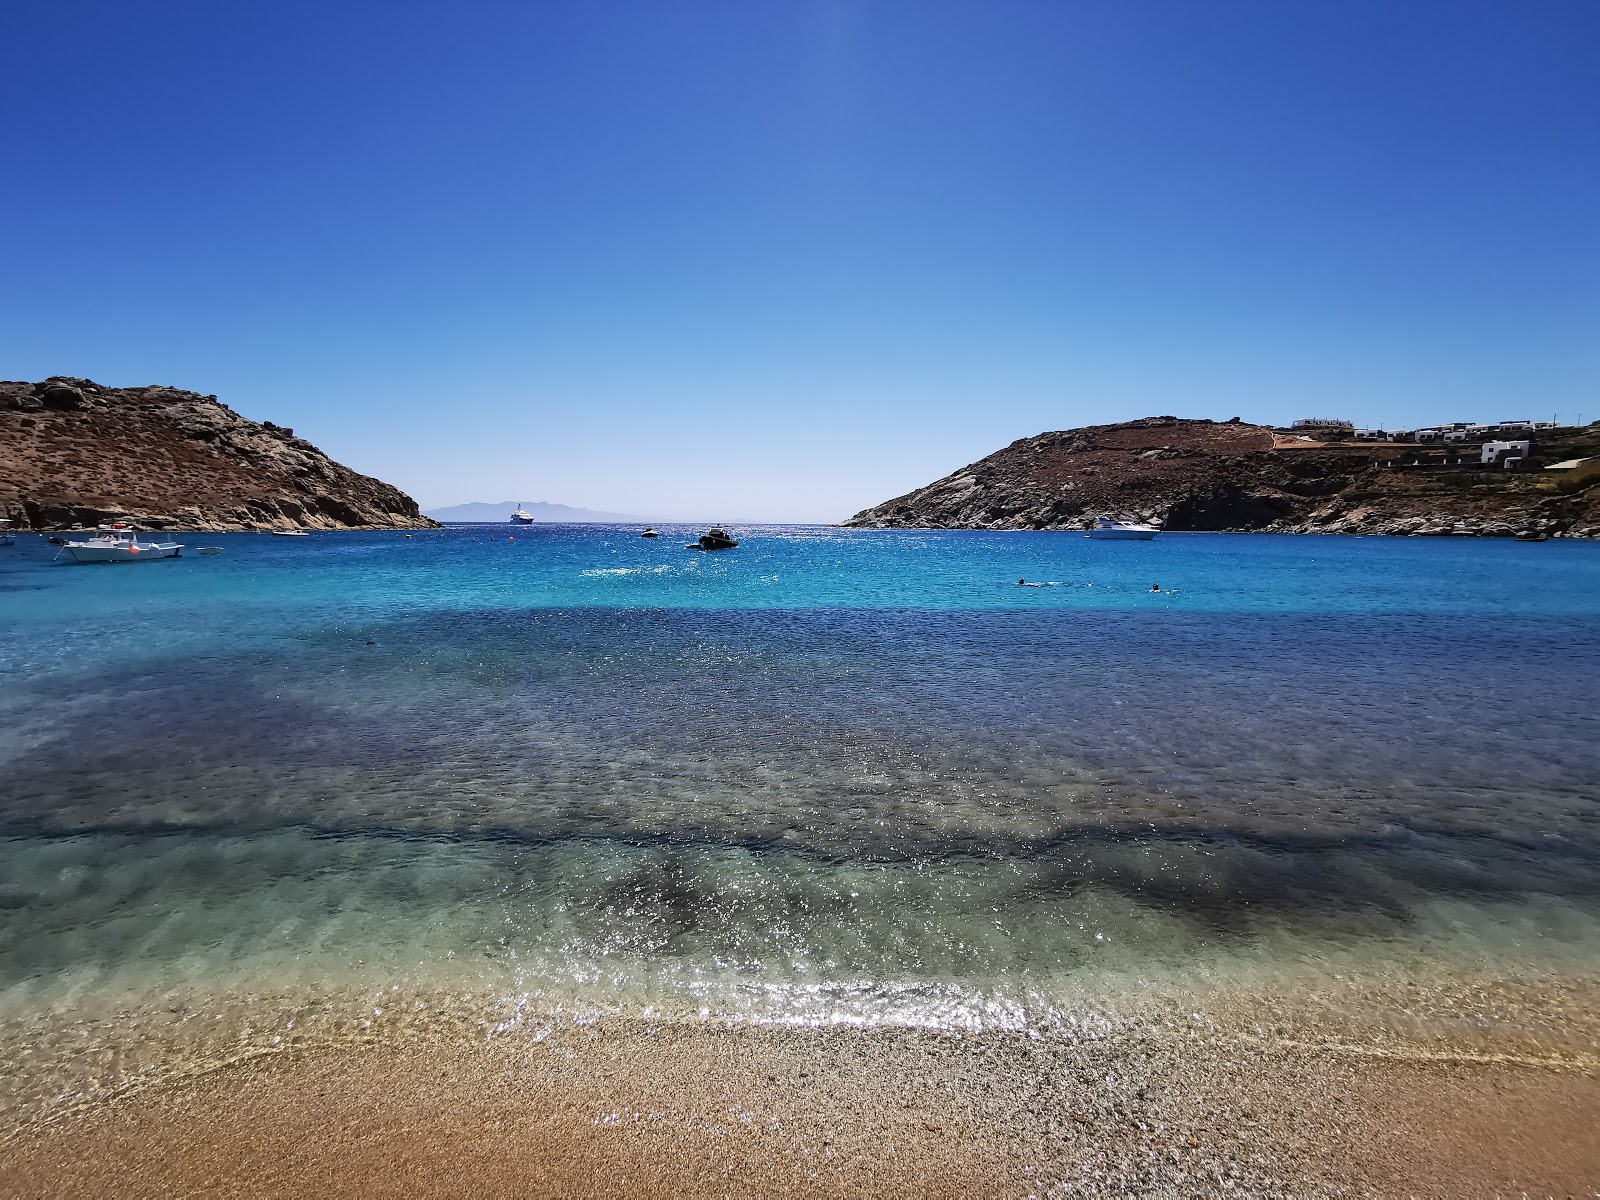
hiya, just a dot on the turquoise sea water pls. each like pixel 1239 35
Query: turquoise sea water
pixel 832 775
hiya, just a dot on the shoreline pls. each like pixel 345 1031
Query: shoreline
pixel 632 1107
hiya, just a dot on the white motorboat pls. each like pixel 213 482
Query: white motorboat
pixel 119 542
pixel 650 532
pixel 521 516
pixel 1125 531
pixel 290 533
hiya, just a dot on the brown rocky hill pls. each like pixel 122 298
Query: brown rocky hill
pixel 1208 475
pixel 74 453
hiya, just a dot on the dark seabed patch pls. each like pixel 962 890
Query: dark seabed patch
pixel 903 794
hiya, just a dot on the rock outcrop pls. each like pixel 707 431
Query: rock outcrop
pixel 1194 475
pixel 74 453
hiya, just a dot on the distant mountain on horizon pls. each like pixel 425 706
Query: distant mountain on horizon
pixel 500 513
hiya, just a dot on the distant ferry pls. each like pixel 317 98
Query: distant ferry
pixel 521 516
pixel 1126 531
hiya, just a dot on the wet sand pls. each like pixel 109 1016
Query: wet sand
pixel 624 1108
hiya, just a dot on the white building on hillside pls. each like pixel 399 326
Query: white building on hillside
pixel 1502 453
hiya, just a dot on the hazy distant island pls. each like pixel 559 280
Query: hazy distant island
pixel 1312 477
pixel 74 453
pixel 541 511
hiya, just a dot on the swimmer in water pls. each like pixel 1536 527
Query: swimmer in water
pixel 1025 583
pixel 1155 587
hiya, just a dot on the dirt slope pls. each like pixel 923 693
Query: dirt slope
pixel 1208 475
pixel 73 453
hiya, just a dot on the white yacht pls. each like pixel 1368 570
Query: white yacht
pixel 290 533
pixel 1126 531
pixel 521 516
pixel 119 542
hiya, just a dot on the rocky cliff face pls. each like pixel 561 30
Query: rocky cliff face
pixel 1206 475
pixel 73 453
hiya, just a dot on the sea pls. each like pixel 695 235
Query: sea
pixel 499 778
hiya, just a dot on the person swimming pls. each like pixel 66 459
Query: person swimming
pixel 1025 583
pixel 1155 587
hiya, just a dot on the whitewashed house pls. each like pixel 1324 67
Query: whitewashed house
pixel 1500 454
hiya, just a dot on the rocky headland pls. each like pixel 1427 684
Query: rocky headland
pixel 1200 475
pixel 74 453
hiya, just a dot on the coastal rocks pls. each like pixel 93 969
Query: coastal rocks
pixel 1200 475
pixel 74 453
pixel 62 397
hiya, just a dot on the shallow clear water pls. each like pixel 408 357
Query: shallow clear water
pixel 831 775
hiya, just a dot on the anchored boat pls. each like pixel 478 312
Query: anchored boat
pixel 520 516
pixel 1124 531
pixel 715 538
pixel 119 542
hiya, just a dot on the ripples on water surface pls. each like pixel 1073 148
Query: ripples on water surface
pixel 829 776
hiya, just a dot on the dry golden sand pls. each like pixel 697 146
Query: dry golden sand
pixel 622 1108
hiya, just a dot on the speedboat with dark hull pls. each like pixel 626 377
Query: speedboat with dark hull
pixel 715 538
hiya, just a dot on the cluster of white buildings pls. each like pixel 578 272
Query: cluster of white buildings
pixel 1456 431
pixel 1499 443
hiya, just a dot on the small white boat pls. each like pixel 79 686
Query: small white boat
pixel 520 516
pixel 119 542
pixel 290 533
pixel 650 532
pixel 1125 531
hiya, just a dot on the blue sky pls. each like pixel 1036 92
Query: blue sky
pixel 784 260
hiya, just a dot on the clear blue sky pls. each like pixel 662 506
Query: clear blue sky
pixel 783 260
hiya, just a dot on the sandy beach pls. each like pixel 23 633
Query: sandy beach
pixel 624 1107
